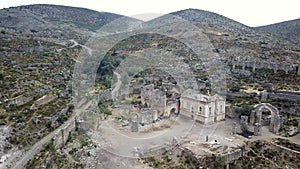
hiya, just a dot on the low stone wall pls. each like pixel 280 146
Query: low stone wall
pixel 20 100
pixel 43 100
pixel 284 95
pixel 292 153
pixel 37 64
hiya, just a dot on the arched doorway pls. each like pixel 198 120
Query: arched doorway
pixel 173 111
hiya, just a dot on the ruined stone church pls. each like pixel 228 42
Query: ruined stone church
pixel 202 108
pixel 156 104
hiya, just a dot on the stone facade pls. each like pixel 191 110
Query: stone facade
pixel 204 109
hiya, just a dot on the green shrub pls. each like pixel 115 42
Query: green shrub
pixel 50 147
pixel 84 142
pixel 62 118
pixel 156 164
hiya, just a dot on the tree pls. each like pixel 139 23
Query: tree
pixel 245 110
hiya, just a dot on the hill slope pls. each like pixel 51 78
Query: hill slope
pixel 288 29
pixel 213 19
pixel 235 41
pixel 54 21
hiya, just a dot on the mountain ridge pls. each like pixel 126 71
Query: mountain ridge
pixel 289 30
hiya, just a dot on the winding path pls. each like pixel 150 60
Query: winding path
pixel 83 46
pixel 75 43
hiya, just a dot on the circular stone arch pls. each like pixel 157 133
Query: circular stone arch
pixel 256 116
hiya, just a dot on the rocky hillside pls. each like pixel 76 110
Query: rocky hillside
pixel 235 41
pixel 214 20
pixel 53 21
pixel 289 30
pixel 80 17
pixel 38 46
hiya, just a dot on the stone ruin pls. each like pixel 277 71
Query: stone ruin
pixel 157 100
pixel 244 126
pixel 156 104
pixel 135 123
pixel 256 117
pixel 266 65
pixel 148 115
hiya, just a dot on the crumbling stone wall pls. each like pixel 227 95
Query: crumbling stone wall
pixel 148 115
pixel 287 102
pixel 62 135
pixel 266 65
pixel 20 100
pixel 154 98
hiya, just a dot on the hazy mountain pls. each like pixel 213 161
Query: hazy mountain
pixel 288 29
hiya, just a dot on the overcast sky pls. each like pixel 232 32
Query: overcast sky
pixel 249 12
